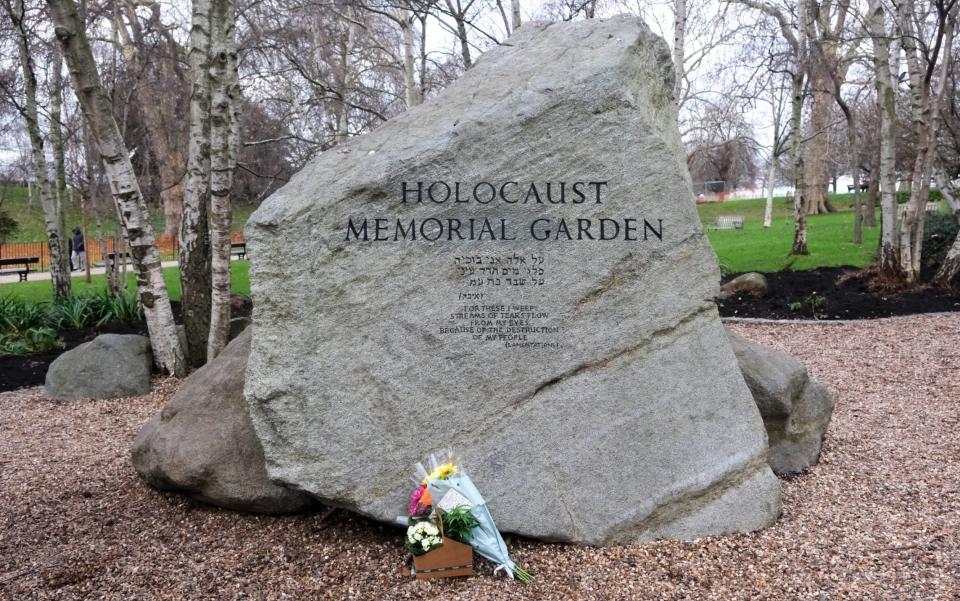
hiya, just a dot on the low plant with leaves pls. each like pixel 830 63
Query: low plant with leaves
pixel 458 522
pixel 74 311
pixel 29 341
pixel 124 306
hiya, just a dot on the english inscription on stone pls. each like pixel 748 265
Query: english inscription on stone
pixel 515 270
pixel 487 309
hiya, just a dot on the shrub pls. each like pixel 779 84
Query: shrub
pixel 74 311
pixel 25 327
pixel 118 307
pixel 29 341
pixel 939 232
pixel 904 196
pixel 16 314
pixel 31 327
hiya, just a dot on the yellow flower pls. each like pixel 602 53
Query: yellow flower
pixel 441 472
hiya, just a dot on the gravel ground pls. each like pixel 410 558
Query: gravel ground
pixel 878 518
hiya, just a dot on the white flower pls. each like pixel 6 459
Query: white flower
pixel 426 544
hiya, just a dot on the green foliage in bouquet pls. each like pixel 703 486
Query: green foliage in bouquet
pixel 458 522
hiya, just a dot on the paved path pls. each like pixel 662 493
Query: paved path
pixel 45 275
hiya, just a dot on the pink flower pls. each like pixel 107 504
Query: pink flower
pixel 420 501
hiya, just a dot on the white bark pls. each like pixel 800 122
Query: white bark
pixel 679 39
pixel 796 133
pixel 515 14
pixel 131 207
pixel 52 210
pixel 194 238
pixel 926 105
pixel 224 146
pixel 885 78
pixel 411 92
pixel 345 87
pixel 771 175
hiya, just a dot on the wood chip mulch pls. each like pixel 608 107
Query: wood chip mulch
pixel 878 518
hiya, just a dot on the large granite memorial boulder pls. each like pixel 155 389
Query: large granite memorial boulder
pixel 513 270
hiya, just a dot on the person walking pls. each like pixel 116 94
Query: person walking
pixel 78 248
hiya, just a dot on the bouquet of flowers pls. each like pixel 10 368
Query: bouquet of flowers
pixel 446 495
pixel 423 537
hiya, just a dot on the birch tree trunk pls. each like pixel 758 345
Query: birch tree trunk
pixel 796 125
pixel 873 191
pixel 412 96
pixel 679 39
pixel 345 85
pixel 818 147
pixel 771 174
pixel 59 159
pixel 887 98
pixel 926 119
pixel 134 218
pixel 515 14
pixel 855 160
pixel 56 124
pixel 224 143
pixel 159 114
pixel 52 213
pixel 456 11
pixel 796 133
pixel 194 238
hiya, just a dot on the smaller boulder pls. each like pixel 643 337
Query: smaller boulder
pixel 109 366
pixel 754 284
pixel 795 409
pixel 203 444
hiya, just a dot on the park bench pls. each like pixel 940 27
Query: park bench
pixel 864 186
pixel 22 266
pixel 112 257
pixel 239 250
pixel 729 222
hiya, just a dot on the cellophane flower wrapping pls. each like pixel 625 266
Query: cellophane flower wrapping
pixel 485 538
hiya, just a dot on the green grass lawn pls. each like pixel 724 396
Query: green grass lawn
pixel 40 290
pixel 30 216
pixel 755 248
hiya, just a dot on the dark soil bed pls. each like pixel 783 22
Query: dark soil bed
pixel 31 370
pixel 835 293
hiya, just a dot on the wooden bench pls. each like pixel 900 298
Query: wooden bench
pixel 23 266
pixel 729 222
pixel 112 257
pixel 864 186
pixel 239 250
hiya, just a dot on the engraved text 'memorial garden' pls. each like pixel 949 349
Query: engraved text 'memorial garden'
pixel 509 194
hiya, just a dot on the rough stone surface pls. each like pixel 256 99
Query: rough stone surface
pixel 796 410
pixel 109 366
pixel 749 283
pixel 632 422
pixel 202 442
